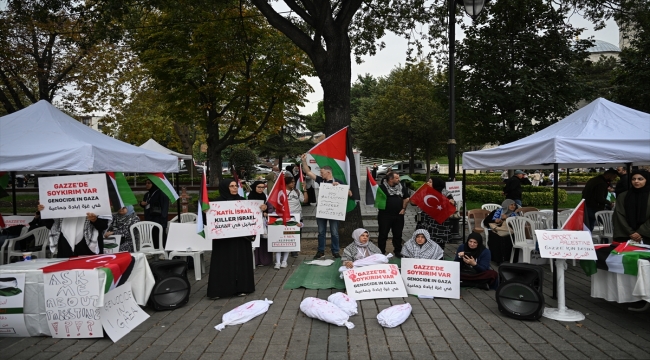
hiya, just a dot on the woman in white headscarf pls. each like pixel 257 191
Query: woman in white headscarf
pixel 421 247
pixel 361 248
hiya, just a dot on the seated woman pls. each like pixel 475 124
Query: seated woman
pixel 631 217
pixel 421 247
pixel 499 236
pixel 121 225
pixel 474 261
pixel 359 249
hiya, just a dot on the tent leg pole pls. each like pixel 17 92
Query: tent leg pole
pixel 555 209
pixel 465 221
pixel 13 191
pixel 178 203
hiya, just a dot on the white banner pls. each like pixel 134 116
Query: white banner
pixel 374 282
pixel 12 300
pixel 284 238
pixel 565 244
pixel 14 220
pixel 332 201
pixel 73 196
pixel 72 304
pixel 228 219
pixel 121 313
pixel 437 278
pixel 456 190
pixel 183 237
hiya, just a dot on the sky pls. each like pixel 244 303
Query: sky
pixel 394 54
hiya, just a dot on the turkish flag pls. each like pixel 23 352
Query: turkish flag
pixel 433 203
pixel 278 199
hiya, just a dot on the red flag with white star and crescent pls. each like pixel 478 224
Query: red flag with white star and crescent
pixel 432 202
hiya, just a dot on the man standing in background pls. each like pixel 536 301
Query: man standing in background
pixel 392 217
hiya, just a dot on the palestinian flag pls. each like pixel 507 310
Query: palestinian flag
pixel 621 258
pixel 164 185
pixel 123 192
pixel 374 194
pixel 576 220
pixel 203 206
pixel 4 179
pixel 335 151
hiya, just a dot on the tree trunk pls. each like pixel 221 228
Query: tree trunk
pixel 214 149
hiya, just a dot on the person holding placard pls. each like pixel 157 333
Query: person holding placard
pixel 295 199
pixel 262 255
pixel 474 261
pixel 77 236
pixel 361 248
pixel 121 225
pixel 421 247
pixel 231 266
pixel 632 211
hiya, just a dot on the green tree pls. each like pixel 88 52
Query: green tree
pixel 289 141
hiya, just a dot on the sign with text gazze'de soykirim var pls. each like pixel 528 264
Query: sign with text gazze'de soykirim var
pixel 228 219
pixel 565 244
pixel 73 196
pixel 437 278
pixel 374 282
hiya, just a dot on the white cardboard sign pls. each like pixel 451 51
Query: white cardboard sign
pixel 228 219
pixel 332 201
pixel 565 244
pixel 284 238
pixel 183 237
pixel 12 300
pixel 72 304
pixel 121 313
pixel 456 190
pixel 437 278
pixel 374 282
pixel 17 220
pixel 73 196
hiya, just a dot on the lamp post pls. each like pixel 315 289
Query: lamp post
pixel 473 8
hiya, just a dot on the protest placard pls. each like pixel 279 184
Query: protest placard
pixel 73 196
pixel 17 220
pixel 437 278
pixel 455 188
pixel 183 237
pixel 374 282
pixel 565 244
pixel 72 304
pixel 283 238
pixel 12 299
pixel 120 313
pixel 332 201
pixel 228 219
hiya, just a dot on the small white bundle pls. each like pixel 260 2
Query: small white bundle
pixel 244 313
pixel 344 302
pixel 394 315
pixel 326 311
pixel 325 262
pixel 374 259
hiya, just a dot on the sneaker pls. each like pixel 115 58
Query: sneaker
pixel 277 266
pixel 284 264
pixel 319 255
pixel 336 255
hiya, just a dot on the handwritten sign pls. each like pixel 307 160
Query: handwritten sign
pixel 73 196
pixel 121 313
pixel 17 220
pixel 565 244
pixel 72 304
pixel 374 282
pixel 437 278
pixel 456 190
pixel 228 219
pixel 332 201
pixel 12 298
pixel 284 238
pixel 183 237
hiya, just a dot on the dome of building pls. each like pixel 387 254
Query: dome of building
pixel 603 46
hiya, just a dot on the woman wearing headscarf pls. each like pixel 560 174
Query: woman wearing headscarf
pixel 156 208
pixel 77 236
pixel 421 247
pixel 631 218
pixel 361 248
pixel 499 236
pixel 474 261
pixel 231 266
pixel 439 233
pixel 121 225
pixel 262 255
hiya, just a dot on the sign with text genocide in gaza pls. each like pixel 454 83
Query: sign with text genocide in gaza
pixel 437 278
pixel 374 282
pixel 73 196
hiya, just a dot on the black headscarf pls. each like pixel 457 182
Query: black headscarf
pixel 254 195
pixel 438 184
pixel 224 191
pixel 475 253
pixel 636 201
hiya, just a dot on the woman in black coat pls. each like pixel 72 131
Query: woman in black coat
pixel 156 208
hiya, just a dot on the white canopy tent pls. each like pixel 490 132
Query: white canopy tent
pixel 43 138
pixel 153 145
pixel 600 133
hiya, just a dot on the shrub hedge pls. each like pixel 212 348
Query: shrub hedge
pixel 496 177
pixel 532 195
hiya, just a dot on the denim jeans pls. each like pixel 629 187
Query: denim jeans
pixel 322 231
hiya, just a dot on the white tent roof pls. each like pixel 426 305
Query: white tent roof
pixel 600 133
pixel 153 145
pixel 43 138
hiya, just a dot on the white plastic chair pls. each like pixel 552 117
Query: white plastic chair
pixel 188 218
pixel 490 207
pixel 539 218
pixel 605 219
pixel 518 236
pixel 145 230
pixel 562 218
pixel 199 265
pixel 41 235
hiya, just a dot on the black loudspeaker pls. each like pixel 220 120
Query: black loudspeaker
pixel 520 293
pixel 172 289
